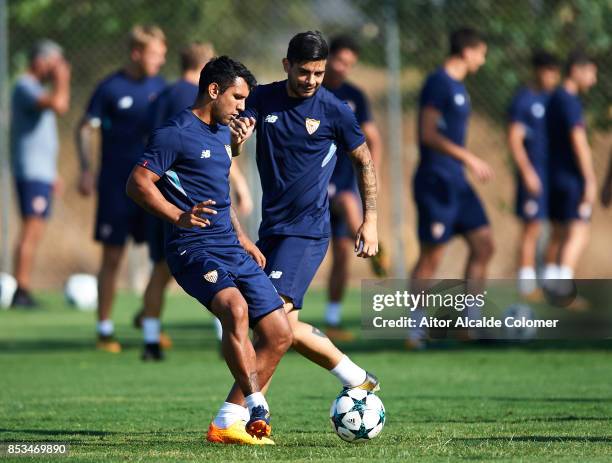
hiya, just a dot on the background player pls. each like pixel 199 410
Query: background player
pixel 34 150
pixel 528 142
pixel 346 215
pixel 184 170
pixel 120 108
pixel 446 203
pixel 299 128
pixel 572 178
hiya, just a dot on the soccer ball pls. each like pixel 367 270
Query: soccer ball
pixel 81 291
pixel 519 333
pixel 8 286
pixel 357 415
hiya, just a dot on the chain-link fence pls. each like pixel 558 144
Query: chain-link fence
pixel 401 42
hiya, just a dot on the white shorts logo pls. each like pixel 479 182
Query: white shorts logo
pixel 106 230
pixel 530 208
pixel 276 274
pixel 211 276
pixel 437 229
pixel 205 154
pixel 39 204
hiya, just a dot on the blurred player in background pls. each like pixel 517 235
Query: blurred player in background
pixel 606 189
pixel 34 151
pixel 346 215
pixel 120 109
pixel 528 142
pixel 446 203
pixel 172 100
pixel 573 188
pixel 183 177
pixel 299 128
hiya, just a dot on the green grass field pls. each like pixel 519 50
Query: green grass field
pixel 542 402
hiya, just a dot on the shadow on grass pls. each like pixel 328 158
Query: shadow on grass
pixel 518 399
pixel 510 439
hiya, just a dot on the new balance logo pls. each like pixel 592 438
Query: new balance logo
pixel 271 118
pixel 276 274
pixel 205 154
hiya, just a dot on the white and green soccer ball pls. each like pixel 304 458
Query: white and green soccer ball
pixel 81 291
pixel 357 415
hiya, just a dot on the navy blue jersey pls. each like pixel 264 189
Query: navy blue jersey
pixel 172 100
pixel 450 98
pixel 297 139
pixel 528 108
pixel 564 113
pixel 121 106
pixel 193 160
pixel 357 101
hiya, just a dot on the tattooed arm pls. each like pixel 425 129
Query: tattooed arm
pixel 245 241
pixel 366 241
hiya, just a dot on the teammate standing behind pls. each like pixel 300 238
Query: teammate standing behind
pixel 183 177
pixel 573 186
pixel 34 149
pixel 346 215
pixel 446 203
pixel 299 128
pixel 528 142
pixel 120 108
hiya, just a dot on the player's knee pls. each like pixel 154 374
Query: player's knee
pixel 484 249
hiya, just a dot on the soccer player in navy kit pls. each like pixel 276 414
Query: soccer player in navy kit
pixel 120 108
pixel 446 203
pixel 572 178
pixel 183 177
pixel 528 143
pixel 344 194
pixel 300 126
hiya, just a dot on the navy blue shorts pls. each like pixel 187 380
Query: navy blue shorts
pixel 155 230
pixel 118 217
pixel 35 198
pixel 291 263
pixel 205 274
pixel 565 197
pixel 446 206
pixel 531 208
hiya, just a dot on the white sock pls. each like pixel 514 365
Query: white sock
pixel 349 373
pixel 255 400
pixel 228 414
pixel 527 283
pixel 106 327
pixel 333 313
pixel 246 416
pixel 150 330
pixel 218 328
pixel 550 272
pixel 565 273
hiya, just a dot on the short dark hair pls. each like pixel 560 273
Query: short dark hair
pixel 463 38
pixel 544 59
pixel 307 46
pixel 224 71
pixel 577 57
pixel 343 42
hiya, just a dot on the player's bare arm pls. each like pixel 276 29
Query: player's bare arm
pixel 241 128
pixel 435 140
pixel 142 189
pixel 241 189
pixel 366 241
pixel 529 177
pixel 584 159
pixel 58 99
pixel 245 241
pixel 85 135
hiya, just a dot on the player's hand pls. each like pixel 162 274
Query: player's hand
pixel 532 182
pixel 61 70
pixel 253 251
pixel 606 194
pixel 481 169
pixel 193 218
pixel 590 191
pixel 366 240
pixel 241 129
pixel 86 183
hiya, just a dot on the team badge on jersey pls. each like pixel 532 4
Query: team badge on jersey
pixel 312 125
pixel 205 154
pixel 228 150
pixel 211 276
